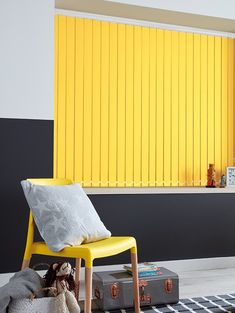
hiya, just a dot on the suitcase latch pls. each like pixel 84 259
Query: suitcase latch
pixel 143 283
pixel 168 285
pixel 114 291
pixel 144 297
pixel 97 293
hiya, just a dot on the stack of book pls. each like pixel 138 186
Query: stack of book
pixel 145 269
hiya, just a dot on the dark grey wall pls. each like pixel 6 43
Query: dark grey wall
pixel 166 226
pixel 172 226
pixel 26 151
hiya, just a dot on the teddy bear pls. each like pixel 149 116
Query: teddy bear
pixel 60 276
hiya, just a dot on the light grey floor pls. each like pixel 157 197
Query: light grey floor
pixel 201 277
pixel 207 282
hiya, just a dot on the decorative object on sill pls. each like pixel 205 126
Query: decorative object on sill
pixel 211 176
pixel 60 276
pixel 222 181
pixel 230 181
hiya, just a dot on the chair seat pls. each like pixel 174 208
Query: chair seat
pixel 89 251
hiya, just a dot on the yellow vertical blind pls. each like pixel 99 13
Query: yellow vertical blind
pixel 141 107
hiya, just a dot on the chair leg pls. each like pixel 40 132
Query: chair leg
pixel 77 277
pixel 25 264
pixel 88 289
pixel 134 264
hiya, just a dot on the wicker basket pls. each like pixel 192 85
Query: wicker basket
pixel 39 305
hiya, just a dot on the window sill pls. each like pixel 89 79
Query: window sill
pixel 157 190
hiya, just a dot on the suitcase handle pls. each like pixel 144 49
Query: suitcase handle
pixel 114 291
pixel 168 285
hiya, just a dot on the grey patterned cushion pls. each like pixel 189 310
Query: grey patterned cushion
pixel 64 215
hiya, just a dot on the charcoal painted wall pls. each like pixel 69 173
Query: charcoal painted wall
pixel 26 151
pixel 167 227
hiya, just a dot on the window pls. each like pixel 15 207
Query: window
pixel 138 106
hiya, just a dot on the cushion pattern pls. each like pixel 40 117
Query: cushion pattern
pixel 64 215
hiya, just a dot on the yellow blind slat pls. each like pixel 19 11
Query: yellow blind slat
pixel 145 108
pixel 113 106
pixel 204 110
pixel 182 109
pixel 96 106
pixel 218 106
pixel 121 96
pixel 211 99
pixel 152 107
pixel 224 113
pixel 129 108
pixel 197 111
pixel 79 101
pixel 175 111
pixel 104 102
pixel 189 112
pixel 87 107
pixel 160 109
pixel 167 108
pixel 70 62
pixel 137 102
pixel 61 100
pixel 230 101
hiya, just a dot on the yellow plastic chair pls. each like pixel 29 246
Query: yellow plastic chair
pixel 88 252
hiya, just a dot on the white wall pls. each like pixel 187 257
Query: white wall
pixel 26 59
pixel 216 8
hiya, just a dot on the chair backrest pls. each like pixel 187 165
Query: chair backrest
pixel 42 181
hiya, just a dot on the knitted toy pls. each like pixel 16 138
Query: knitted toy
pixel 60 276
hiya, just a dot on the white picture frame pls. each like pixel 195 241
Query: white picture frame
pixel 230 177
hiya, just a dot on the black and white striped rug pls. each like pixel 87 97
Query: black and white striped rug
pixel 209 304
